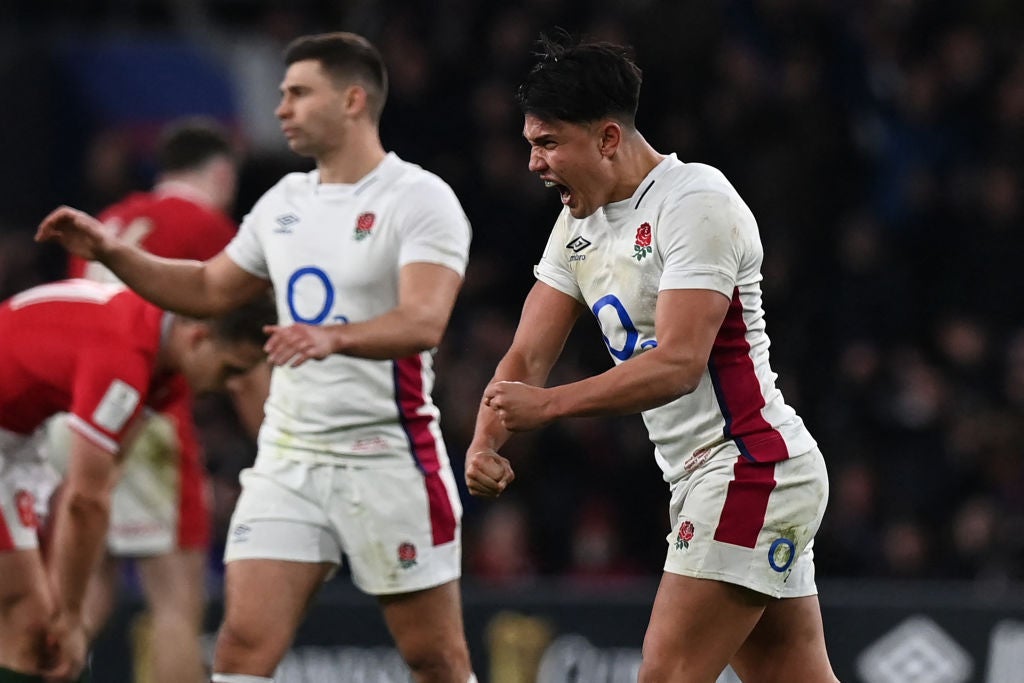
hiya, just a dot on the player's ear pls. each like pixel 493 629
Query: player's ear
pixel 355 98
pixel 197 332
pixel 610 136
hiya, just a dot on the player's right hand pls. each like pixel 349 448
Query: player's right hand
pixel 294 344
pixel 487 473
pixel 77 231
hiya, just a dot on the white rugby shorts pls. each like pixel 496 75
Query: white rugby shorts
pixel 146 509
pixel 26 483
pixel 750 524
pixel 399 528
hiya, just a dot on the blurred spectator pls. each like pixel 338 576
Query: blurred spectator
pixel 499 552
pixel 905 550
pixel 597 552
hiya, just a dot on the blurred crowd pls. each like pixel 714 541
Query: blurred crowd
pixel 880 144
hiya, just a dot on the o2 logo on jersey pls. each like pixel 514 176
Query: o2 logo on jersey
pixel 302 289
pixel 632 341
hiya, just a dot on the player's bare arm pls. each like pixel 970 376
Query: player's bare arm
pixel 547 318
pixel 194 288
pixel 426 296
pixel 82 517
pixel 686 322
pixel 80 528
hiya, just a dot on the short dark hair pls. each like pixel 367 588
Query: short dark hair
pixel 244 324
pixel 581 82
pixel 345 56
pixel 188 144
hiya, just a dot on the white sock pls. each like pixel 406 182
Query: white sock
pixel 239 678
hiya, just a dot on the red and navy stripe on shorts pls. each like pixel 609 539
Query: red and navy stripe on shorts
pixel 410 397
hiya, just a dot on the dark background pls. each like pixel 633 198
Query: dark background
pixel 878 143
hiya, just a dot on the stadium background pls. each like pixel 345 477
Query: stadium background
pixel 880 145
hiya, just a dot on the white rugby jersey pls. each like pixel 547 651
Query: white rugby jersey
pixel 333 253
pixel 685 227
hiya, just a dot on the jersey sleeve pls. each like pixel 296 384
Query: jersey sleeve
pixel 108 394
pixel 702 239
pixel 553 268
pixel 246 248
pixel 436 228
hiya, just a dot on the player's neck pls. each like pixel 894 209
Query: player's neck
pixel 636 161
pixel 351 162
pixel 186 186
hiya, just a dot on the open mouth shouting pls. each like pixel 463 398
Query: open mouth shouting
pixel 563 191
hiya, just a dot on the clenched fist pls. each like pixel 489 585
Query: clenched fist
pixel 488 473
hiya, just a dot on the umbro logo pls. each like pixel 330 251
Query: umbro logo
pixel 578 244
pixel 285 222
pixel 240 534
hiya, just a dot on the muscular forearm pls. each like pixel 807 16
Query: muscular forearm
pixel 489 432
pixel 80 529
pixel 173 284
pixel 395 334
pixel 647 381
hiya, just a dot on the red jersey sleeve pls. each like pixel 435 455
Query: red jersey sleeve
pixel 110 390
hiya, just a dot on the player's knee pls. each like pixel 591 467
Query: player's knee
pixel 674 670
pixel 431 670
pixel 812 672
pixel 651 672
pixel 240 637
pixel 245 647
pixel 655 664
pixel 172 626
pixel 186 613
pixel 439 664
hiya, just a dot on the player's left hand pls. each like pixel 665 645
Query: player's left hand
pixel 295 344
pixel 520 407
pixel 67 645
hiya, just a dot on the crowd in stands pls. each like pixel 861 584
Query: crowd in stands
pixel 880 144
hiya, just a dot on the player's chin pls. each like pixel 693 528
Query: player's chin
pixel 579 210
pixel 296 145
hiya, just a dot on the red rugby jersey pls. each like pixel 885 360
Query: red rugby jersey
pixel 171 221
pixel 83 347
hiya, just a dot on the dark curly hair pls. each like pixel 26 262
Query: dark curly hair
pixel 581 82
